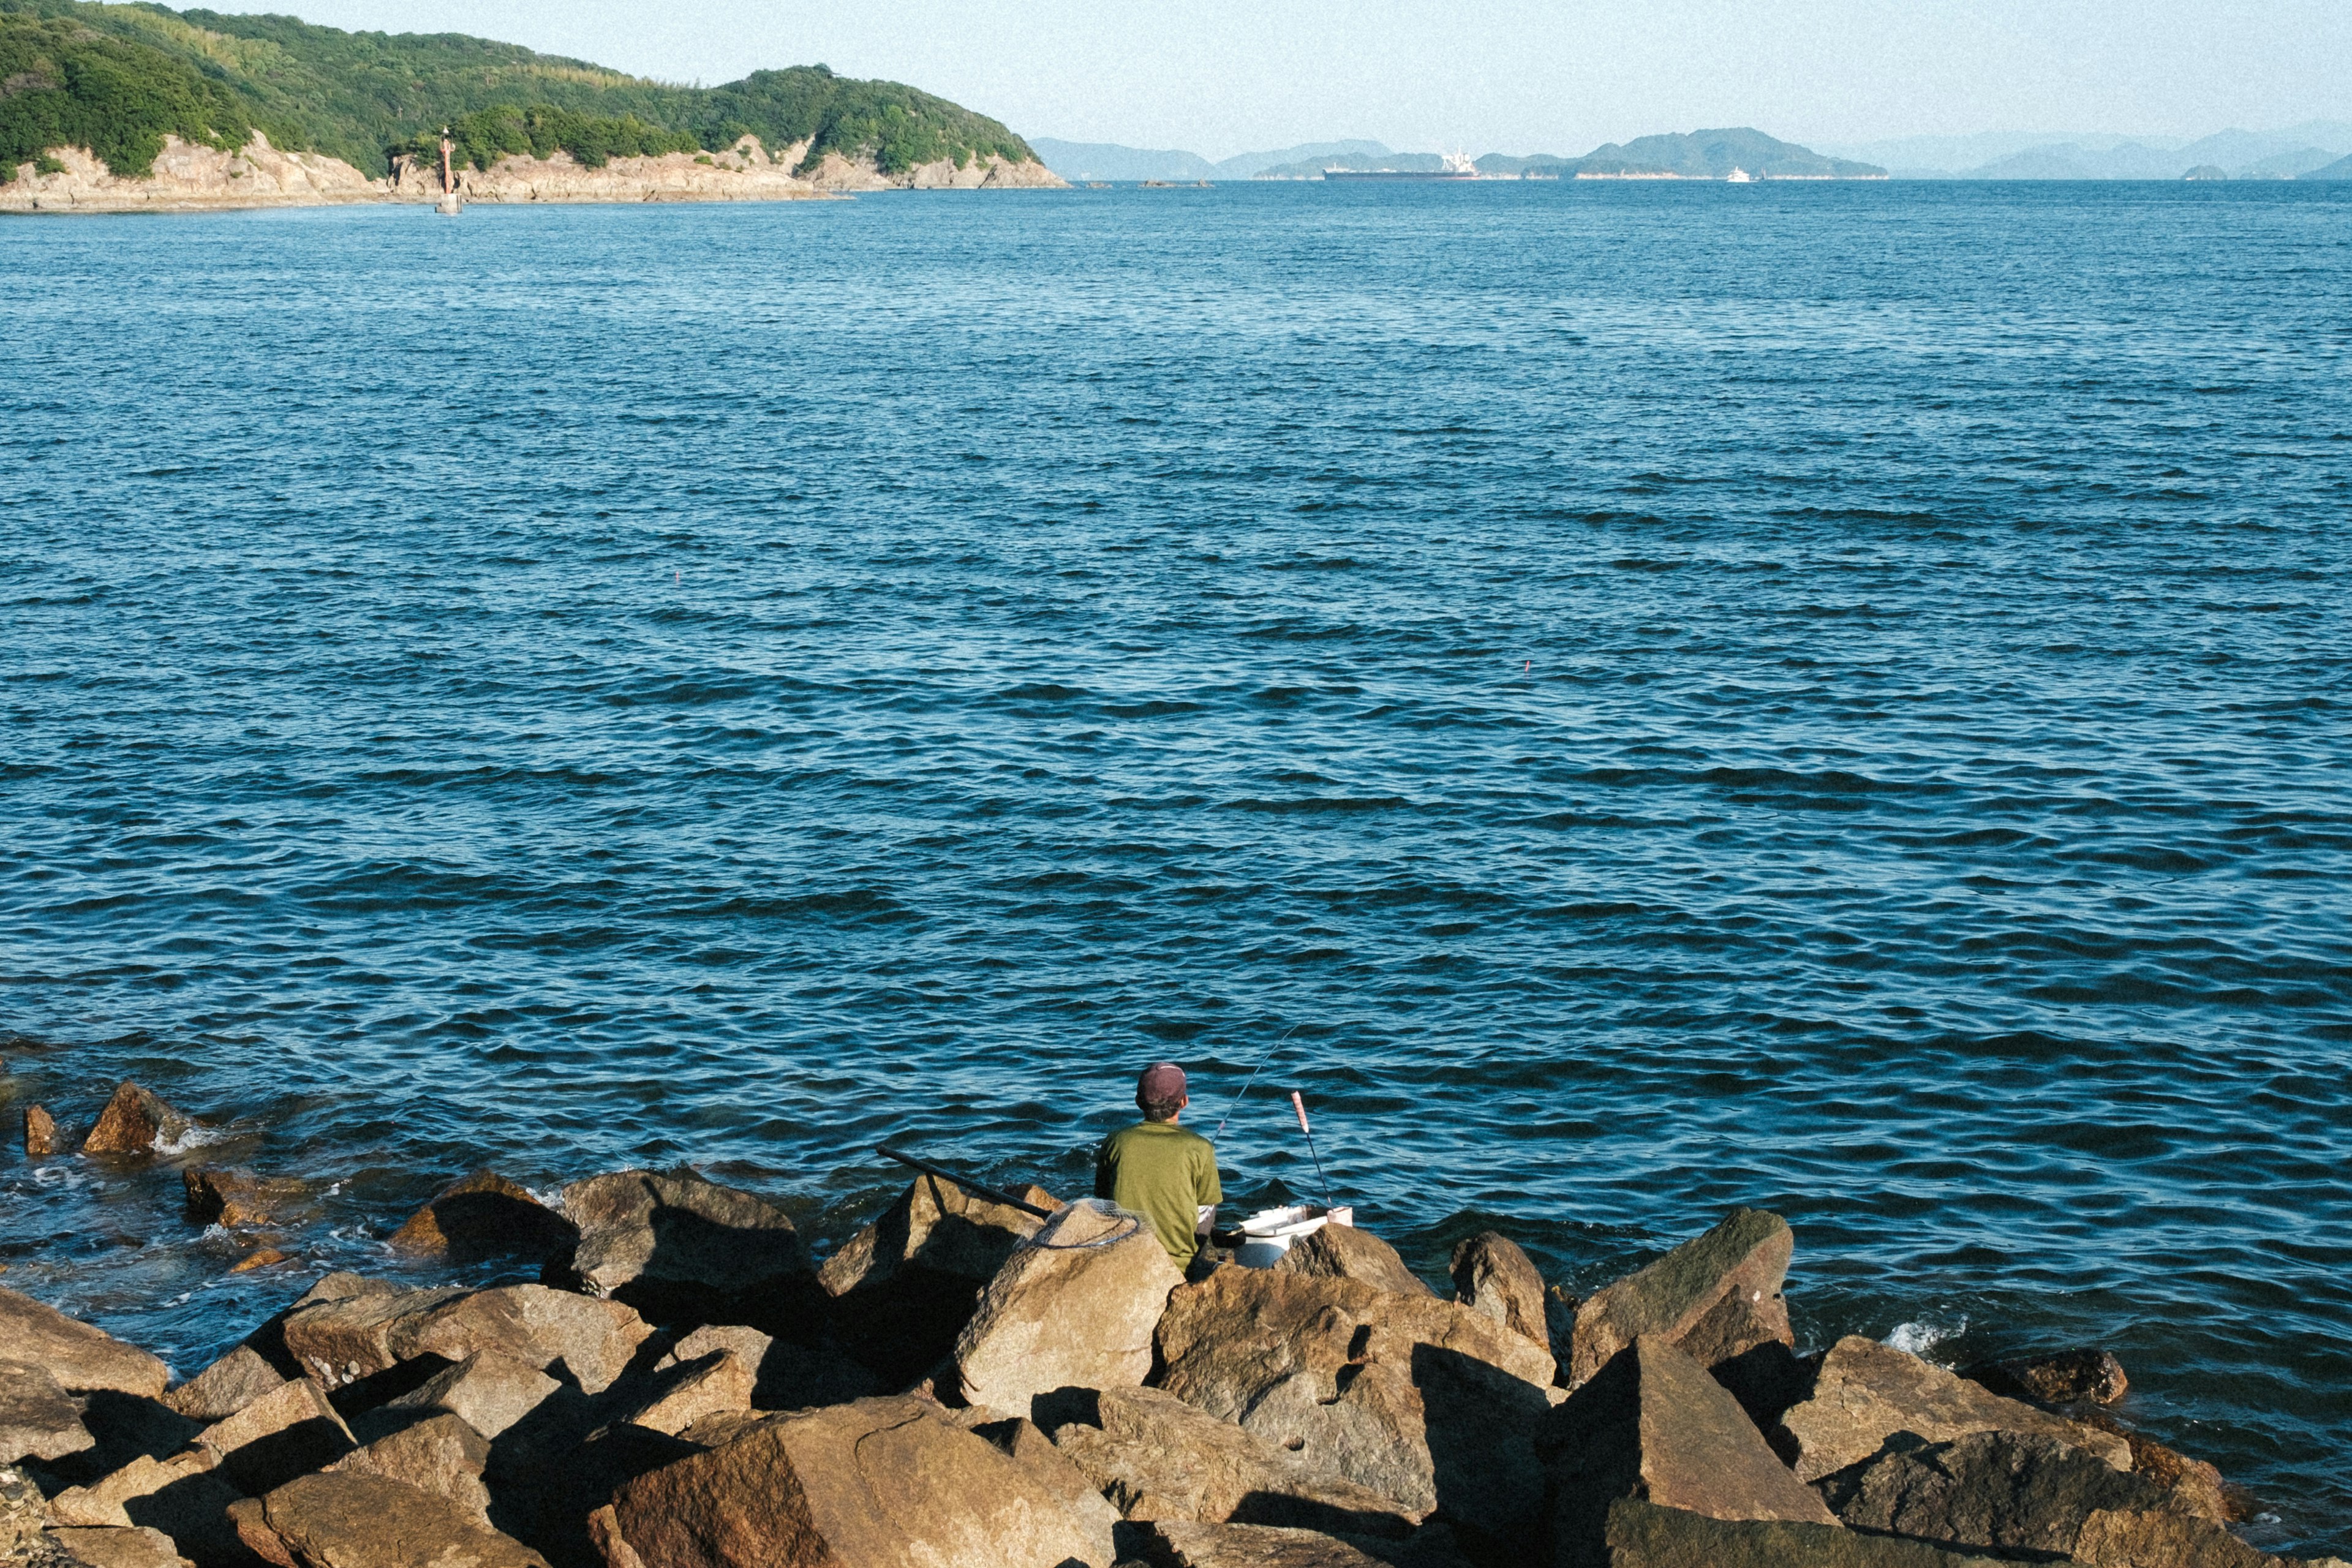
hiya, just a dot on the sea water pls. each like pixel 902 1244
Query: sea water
pixel 1644 698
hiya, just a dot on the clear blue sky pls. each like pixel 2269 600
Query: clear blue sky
pixel 1218 77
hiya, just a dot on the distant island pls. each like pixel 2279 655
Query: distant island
pixel 108 105
pixel 1695 155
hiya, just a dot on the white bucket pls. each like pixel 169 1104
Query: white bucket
pixel 1268 1233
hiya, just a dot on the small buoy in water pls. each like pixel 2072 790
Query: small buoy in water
pixel 448 205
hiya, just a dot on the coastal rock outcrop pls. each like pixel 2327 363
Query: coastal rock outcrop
pixel 484 1215
pixel 185 1495
pixel 79 1357
pixel 1426 1402
pixel 1652 1424
pixel 1494 1277
pixel 1075 1306
pixel 879 1481
pixel 352 1519
pixel 130 1546
pixel 1189 1544
pixel 687 1392
pixel 1343 1252
pixel 187 177
pixel 1867 1392
pixel 995 172
pixel 137 1121
pixel 742 173
pixel 1713 1298
pixel 1154 1455
pixel 786 1376
pixel 38 1420
pixel 680 1248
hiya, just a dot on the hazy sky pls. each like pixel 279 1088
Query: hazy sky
pixel 1219 77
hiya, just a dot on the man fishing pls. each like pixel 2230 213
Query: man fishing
pixel 1159 1169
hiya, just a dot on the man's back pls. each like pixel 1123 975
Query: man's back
pixel 1165 1173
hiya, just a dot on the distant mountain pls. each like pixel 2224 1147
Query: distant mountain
pixel 1694 155
pixel 2006 155
pixel 1313 168
pixel 2339 170
pixel 1109 161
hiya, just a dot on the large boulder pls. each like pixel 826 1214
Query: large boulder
pixel 1645 1536
pixel 486 1215
pixel 684 1394
pixel 786 1376
pixel 1343 1252
pixel 1426 1402
pixel 1867 1392
pixel 290 1431
pixel 1019 1439
pixel 683 1249
pixel 226 1386
pixel 185 1495
pixel 344 1338
pixel 80 1358
pixel 1074 1307
pixel 130 1546
pixel 1155 1457
pixel 489 1391
pixel 136 1121
pixel 1494 1277
pixel 1652 1424
pixel 2139 1539
pixel 2062 1377
pixel 1998 1489
pixel 882 1481
pixel 1712 1297
pixel 1188 1544
pixel 903 1288
pixel 38 1420
pixel 350 1519
pixel 441 1454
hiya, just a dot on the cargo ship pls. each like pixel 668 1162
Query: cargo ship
pixel 1457 166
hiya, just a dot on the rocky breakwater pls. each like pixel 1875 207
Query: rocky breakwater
pixel 963 1383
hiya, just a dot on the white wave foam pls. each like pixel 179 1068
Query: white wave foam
pixel 1918 1338
pixel 196 1137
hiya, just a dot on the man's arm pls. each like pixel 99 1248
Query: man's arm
pixel 1207 1191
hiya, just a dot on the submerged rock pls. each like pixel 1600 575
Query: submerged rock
pixel 1343 1252
pixel 1154 1455
pixel 2064 1377
pixel 1652 1424
pixel 38 1420
pixel 1074 1307
pixel 486 1215
pixel 234 1196
pixel 1867 1392
pixel 683 1249
pixel 350 1519
pixel 136 1121
pixel 79 1357
pixel 1494 1277
pixel 879 1481
pixel 1426 1402
pixel 1712 1297
pixel 1645 1536
pixel 40 1131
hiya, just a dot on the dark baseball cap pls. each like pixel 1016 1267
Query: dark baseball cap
pixel 1161 1083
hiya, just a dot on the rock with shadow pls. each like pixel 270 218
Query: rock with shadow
pixel 78 1357
pixel 1343 1252
pixel 1646 1535
pixel 686 1251
pixel 1076 1306
pixel 38 1420
pixel 137 1122
pixel 1493 1275
pixel 486 1215
pixel 1713 1298
pixel 349 1519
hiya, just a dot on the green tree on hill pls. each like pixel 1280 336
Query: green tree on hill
pixel 64 86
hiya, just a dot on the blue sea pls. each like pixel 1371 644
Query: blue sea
pixel 1641 698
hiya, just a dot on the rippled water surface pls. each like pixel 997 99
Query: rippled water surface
pixel 1826 697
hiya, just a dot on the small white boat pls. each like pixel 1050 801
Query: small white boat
pixel 1738 176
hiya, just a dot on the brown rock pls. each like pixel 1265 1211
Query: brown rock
pixel 1343 1252
pixel 341 1340
pixel 2143 1540
pixel 1652 1424
pixel 1712 1297
pixel 905 1286
pixel 1643 1535
pixel 680 1247
pixel 40 1131
pixel 786 1376
pixel 883 1481
pixel 1424 1402
pixel 38 1420
pixel 185 1497
pixel 1074 1308
pixel 1155 1457
pixel 2192 1486
pixel 79 1357
pixel 441 1454
pixel 489 1391
pixel 288 1432
pixel 259 1258
pixel 1866 1393
pixel 226 1386
pixel 1186 1544
pixel 486 1215
pixel 686 1392
pixel 2064 1377
pixel 136 1122
pixel 1494 1278
pixel 349 1518
pixel 234 1196
pixel 1019 1439
pixel 1996 1490
pixel 130 1546
pixel 24 1514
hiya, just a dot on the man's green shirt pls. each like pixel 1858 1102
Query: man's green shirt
pixel 1163 1173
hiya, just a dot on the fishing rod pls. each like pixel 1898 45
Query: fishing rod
pixel 966 1183
pixel 1264 1057
pixel 1299 1105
